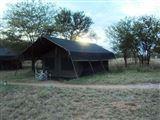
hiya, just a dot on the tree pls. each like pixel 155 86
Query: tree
pixel 71 24
pixel 146 30
pixel 122 37
pixel 10 35
pixel 17 45
pixel 157 47
pixel 135 36
pixel 13 41
pixel 30 19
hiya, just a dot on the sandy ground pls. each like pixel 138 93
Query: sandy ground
pixel 63 85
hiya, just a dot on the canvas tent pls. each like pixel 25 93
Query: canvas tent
pixel 66 58
pixel 9 59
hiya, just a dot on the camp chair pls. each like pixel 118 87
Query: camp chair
pixel 40 74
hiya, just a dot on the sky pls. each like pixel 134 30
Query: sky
pixel 103 12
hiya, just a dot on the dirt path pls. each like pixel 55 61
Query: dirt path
pixel 62 85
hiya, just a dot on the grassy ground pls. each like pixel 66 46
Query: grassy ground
pixel 134 74
pixel 129 76
pixel 117 75
pixel 123 77
pixel 48 103
pixel 23 75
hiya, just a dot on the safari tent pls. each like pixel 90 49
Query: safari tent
pixel 9 59
pixel 68 59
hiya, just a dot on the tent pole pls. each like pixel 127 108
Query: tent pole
pixel 103 66
pixel 74 68
pixel 91 67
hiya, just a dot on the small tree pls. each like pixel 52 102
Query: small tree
pixel 122 37
pixel 135 36
pixel 30 19
pixel 146 31
pixel 70 25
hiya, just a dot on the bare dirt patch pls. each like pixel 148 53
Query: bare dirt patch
pixel 122 105
pixel 63 85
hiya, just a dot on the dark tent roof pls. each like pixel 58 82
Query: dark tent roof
pixel 7 54
pixel 77 50
pixel 75 46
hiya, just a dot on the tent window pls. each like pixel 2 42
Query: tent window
pixel 66 64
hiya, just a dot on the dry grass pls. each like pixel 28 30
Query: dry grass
pixel 48 103
pixel 22 75
pixel 51 103
pixel 134 74
pixel 117 74
pixel 123 77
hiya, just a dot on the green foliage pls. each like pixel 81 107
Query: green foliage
pixel 121 33
pixel 16 45
pixel 71 24
pixel 157 49
pixel 122 36
pixel 29 19
pixel 146 29
pixel 135 36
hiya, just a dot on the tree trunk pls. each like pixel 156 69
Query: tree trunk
pixel 148 59
pixel 142 60
pixel 125 60
pixel 33 64
pixel 135 58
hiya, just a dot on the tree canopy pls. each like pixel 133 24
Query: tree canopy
pixel 29 19
pixel 122 37
pixel 135 36
pixel 71 24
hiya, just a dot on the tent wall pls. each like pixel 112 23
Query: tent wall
pixel 10 64
pixel 59 64
pixel 106 65
pixel 91 67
